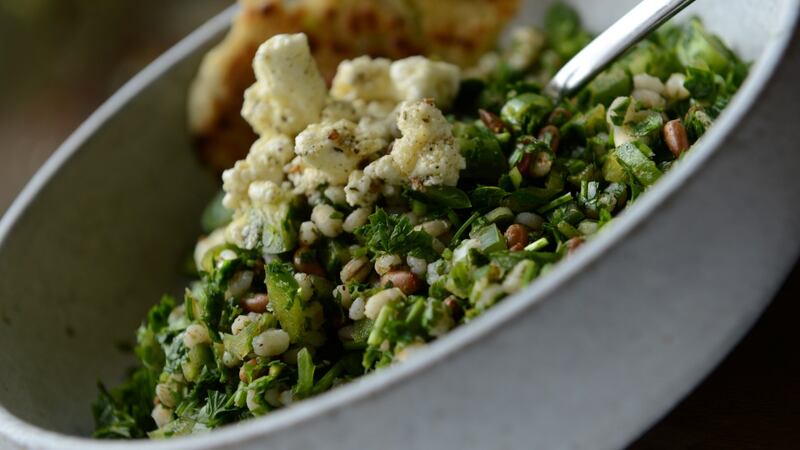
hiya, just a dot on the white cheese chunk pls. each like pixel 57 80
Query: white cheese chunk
pixel 289 92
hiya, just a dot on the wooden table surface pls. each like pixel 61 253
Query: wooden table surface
pixel 752 400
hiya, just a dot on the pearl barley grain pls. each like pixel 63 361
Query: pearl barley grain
pixel 356 219
pixel 271 342
pixel 239 323
pixel 376 303
pixel 327 219
pixel 195 335
pixel 161 415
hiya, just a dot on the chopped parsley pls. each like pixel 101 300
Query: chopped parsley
pixel 287 307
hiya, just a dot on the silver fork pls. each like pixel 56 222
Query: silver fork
pixel 610 44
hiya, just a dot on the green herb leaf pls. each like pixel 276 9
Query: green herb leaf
pixel 305 374
pixel 634 159
pixel 482 151
pixel 526 112
pixel 701 83
pixel 446 196
pixel 124 412
pixel 283 296
pixel 394 234
pixel 529 198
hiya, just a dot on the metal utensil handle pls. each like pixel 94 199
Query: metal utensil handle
pixel 627 31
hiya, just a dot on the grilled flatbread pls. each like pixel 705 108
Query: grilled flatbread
pixel 457 31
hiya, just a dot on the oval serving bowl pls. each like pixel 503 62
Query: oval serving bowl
pixel 587 357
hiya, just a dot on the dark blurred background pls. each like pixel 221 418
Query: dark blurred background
pixel 60 59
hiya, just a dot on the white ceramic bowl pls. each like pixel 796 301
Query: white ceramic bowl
pixel 587 357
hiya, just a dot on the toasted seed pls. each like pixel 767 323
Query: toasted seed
pixel 516 235
pixel 541 164
pixel 405 280
pixel 559 116
pixel 455 307
pixel 675 137
pixel 491 121
pixel 573 244
pixel 305 261
pixel 555 136
pixel 243 374
pixel 256 303
pixel 524 164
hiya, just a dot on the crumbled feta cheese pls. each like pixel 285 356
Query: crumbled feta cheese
pixel 385 110
pixel 306 179
pixel 363 78
pixel 417 77
pixel 336 149
pixel 289 92
pixel 265 162
pixel 427 151
pixel 380 80
pixel 339 109
pixel 361 190
pixel 373 128
pixel 385 168
pixel 263 193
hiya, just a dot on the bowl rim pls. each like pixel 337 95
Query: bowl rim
pixel 636 216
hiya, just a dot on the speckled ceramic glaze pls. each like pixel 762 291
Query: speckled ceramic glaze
pixel 586 358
